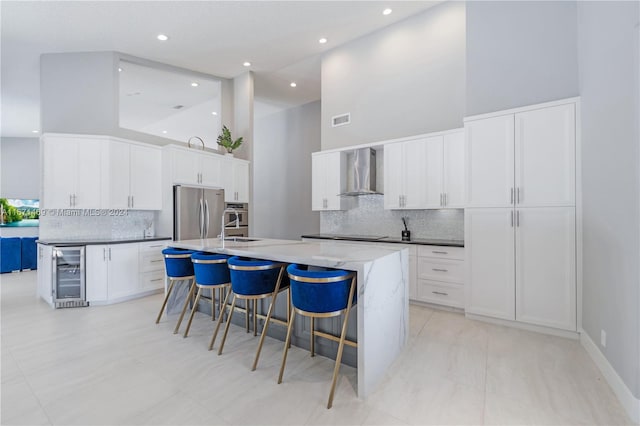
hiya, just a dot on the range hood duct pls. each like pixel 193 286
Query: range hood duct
pixel 362 167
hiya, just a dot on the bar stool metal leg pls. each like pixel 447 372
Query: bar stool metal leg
pixel 166 299
pixel 223 308
pixel 268 319
pixel 226 328
pixel 312 345
pixel 186 303
pixel 287 343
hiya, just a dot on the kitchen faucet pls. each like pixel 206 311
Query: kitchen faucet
pixel 237 221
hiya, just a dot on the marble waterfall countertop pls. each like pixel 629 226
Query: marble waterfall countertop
pixel 382 286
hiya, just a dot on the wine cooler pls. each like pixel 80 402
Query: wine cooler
pixel 68 277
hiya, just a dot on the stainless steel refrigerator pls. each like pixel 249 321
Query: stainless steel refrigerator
pixel 197 212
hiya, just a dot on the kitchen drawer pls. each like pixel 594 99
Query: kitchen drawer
pixel 451 271
pixel 153 280
pixel 151 260
pixel 441 252
pixel 441 293
pixel 155 246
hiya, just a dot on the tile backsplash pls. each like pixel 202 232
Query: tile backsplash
pixel 96 224
pixel 367 216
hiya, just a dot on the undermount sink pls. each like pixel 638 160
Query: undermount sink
pixel 240 239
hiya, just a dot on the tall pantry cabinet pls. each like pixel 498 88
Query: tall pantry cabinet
pixel 520 220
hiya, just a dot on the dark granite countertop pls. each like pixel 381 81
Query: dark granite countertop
pixel 88 241
pixel 378 239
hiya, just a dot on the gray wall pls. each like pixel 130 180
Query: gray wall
pixel 609 87
pixel 519 53
pixel 283 144
pixel 20 168
pixel 403 80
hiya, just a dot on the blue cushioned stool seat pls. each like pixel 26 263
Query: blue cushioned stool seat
pixel 211 273
pixel 319 297
pixel 252 280
pixel 29 253
pixel 178 267
pixel 10 254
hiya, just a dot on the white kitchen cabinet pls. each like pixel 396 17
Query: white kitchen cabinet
pixel 134 176
pixel 490 262
pixel 405 175
pixel 45 271
pixel 192 167
pixel 151 266
pixel 71 172
pixel 546 266
pixel 328 180
pixel 434 180
pixel 235 180
pixel 453 185
pixel 545 157
pixel 440 275
pixel 490 162
pixel 112 271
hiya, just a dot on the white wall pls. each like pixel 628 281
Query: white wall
pixel 405 79
pixel 283 143
pixel 519 53
pixel 609 87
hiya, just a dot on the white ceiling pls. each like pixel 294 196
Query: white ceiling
pixel 279 38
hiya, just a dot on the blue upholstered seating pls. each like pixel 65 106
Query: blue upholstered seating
pixel 178 267
pixel 29 253
pixel 10 254
pixel 321 293
pixel 251 280
pixel 211 273
pixel 319 297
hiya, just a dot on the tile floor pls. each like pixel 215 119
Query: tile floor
pixel 113 365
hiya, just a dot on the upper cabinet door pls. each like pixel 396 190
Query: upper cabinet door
pixel 454 170
pixel 317 182
pixel 241 181
pixel 210 166
pixel 433 183
pixel 186 167
pixel 490 162
pixel 414 172
pixel 116 180
pixel 393 173
pixel 146 178
pixel 60 172
pixel 545 157
pixel 88 193
pixel 335 171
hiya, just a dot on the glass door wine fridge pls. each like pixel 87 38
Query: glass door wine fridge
pixel 68 277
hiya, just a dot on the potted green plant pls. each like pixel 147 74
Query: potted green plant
pixel 226 141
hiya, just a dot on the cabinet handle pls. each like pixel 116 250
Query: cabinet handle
pixel 441 293
pixel 439 252
pixel 104 254
pixel 70 202
pixel 512 218
pixel 440 270
pixel 445 198
pixel 74 200
pixel 157 279
pixel 109 253
pixel 441 199
pixel 132 201
pixel 157 245
pixel 518 197
pixel 518 218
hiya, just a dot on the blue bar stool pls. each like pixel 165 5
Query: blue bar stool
pixel 321 294
pixel 178 266
pixel 211 273
pixel 251 280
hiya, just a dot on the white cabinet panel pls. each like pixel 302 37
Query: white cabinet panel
pixel 88 190
pixel 146 178
pixel 545 157
pixel 97 273
pixel 413 284
pixel 210 170
pixel 489 253
pixel 393 176
pixel 441 293
pixel 490 162
pixel 241 181
pixel 453 147
pixel 45 271
pixel 546 267
pixel 185 167
pixel 116 180
pixel 123 270
pixel 441 270
pixel 328 180
pixel 414 174
pixel 433 180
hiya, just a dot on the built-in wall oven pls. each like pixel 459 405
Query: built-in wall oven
pixel 68 277
pixel 236 220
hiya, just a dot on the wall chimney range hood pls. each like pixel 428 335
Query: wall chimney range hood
pixel 361 164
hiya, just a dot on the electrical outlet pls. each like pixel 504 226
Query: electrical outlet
pixel 603 338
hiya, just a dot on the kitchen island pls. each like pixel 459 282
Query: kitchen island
pixel 382 287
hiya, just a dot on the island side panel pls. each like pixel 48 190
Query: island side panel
pixel 383 317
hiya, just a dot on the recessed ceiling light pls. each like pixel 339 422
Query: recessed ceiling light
pixel 194 84
pixel 322 40
pixel 34 131
pixel 247 64
pixel 162 37
pixel 119 69
pixel 387 11
pixel 164 131
pixel 214 113
pixel 293 84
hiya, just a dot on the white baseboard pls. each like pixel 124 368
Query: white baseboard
pixel 524 326
pixel 630 403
